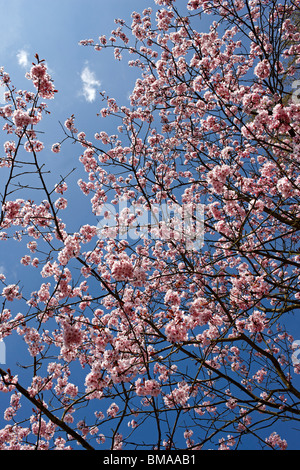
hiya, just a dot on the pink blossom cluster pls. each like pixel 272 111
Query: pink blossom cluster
pixel 164 371
pixel 112 410
pixel 118 442
pixel 262 70
pixel 72 336
pixel 122 269
pixel 88 232
pixel 38 71
pixel 9 148
pixel 260 375
pixel 56 148
pixel 172 298
pixel 33 339
pixel 71 390
pixel 70 124
pixel 50 269
pixel 217 177
pixel 61 203
pixel 22 118
pixel 88 160
pixel 275 441
pixel 34 146
pixel 12 211
pixel 164 2
pixel 15 405
pixel 12 437
pixel 11 292
pixel 257 322
pixel 94 380
pixel 164 18
pixel 71 249
pixel 282 115
pixel 44 292
pixel 285 187
pixel 194 4
pixel 26 260
pixel 42 81
pixel 61 187
pixel 226 443
pixel 178 396
pixel 199 311
pixel 45 430
pixel 177 330
pixel 187 435
pixel 139 276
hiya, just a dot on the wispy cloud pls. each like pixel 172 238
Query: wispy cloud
pixel 22 57
pixel 89 84
pixel 2 93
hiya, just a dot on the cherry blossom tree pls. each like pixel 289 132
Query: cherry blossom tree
pixel 140 336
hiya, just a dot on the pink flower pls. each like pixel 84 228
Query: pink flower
pixel 231 403
pixel 71 249
pixel 72 336
pixel 118 442
pixel 193 4
pixel 257 322
pixel 61 203
pixel 69 124
pixel 122 270
pixel 71 390
pixel 147 387
pixel 35 262
pixel 164 2
pixel 200 312
pixel 55 148
pixel 178 396
pixel 217 177
pixel 11 292
pixel 274 440
pixel 133 424
pixel 172 298
pixel 43 293
pixel 88 232
pixel 61 188
pixel 21 118
pixel 38 71
pixel 112 410
pixel 34 146
pixel 139 277
pixel 280 114
pixel 260 375
pixel 262 70
pixel 176 331
pixel 284 186
pixel 26 260
pixel 42 81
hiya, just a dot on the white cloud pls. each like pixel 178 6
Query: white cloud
pixel 2 93
pixel 89 84
pixel 22 57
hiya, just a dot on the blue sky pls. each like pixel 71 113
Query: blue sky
pixel 53 31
